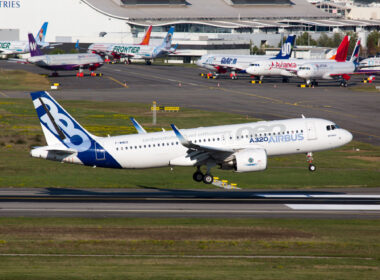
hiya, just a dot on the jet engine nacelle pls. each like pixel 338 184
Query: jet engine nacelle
pixel 249 160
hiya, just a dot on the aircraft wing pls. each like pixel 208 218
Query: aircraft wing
pixel 18 60
pixel 138 126
pixel 228 67
pixel 221 152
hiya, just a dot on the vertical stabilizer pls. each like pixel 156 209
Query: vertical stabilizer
pixel 341 53
pixel 355 53
pixel 167 43
pixel 146 38
pixel 33 47
pixel 287 48
pixel 40 37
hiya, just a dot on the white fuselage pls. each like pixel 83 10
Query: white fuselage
pixel 73 61
pixel 160 149
pixel 326 70
pixel 14 47
pixel 217 62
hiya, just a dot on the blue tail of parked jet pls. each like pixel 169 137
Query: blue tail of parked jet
pixel 287 48
pixel 33 46
pixel 40 37
pixel 167 43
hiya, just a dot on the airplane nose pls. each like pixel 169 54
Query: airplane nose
pixel 347 136
pixel 198 62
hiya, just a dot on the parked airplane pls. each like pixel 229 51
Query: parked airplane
pixel 288 68
pixel 240 147
pixel 370 66
pixel 63 62
pixel 21 47
pixel 329 70
pixel 101 48
pixel 146 52
pixel 222 63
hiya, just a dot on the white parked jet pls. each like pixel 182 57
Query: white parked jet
pixel 223 63
pixel 146 52
pixel 290 67
pixel 63 62
pixel 240 147
pixel 21 47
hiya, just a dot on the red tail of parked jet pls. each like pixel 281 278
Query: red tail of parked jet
pixel 146 39
pixel 341 53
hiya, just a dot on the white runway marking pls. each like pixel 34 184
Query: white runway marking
pixel 343 207
pixel 319 195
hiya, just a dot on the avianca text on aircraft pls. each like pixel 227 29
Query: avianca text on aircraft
pixel 146 52
pixel 288 68
pixel 222 63
pixel 240 147
pixel 21 47
pixel 63 62
pixel 101 48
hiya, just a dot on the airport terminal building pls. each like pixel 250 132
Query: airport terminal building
pixel 201 26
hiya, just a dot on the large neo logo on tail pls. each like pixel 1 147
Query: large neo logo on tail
pixel 76 138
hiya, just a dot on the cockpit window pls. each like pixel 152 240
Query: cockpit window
pixel 332 127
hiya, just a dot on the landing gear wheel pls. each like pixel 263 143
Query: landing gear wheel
pixel 285 80
pixel 148 62
pixel 198 176
pixel 208 179
pixel 312 167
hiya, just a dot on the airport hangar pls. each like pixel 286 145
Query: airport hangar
pixel 212 26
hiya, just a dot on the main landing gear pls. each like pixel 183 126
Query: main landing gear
pixel 343 83
pixel 198 176
pixel 309 158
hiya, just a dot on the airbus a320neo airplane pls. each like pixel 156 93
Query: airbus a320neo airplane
pixel 240 147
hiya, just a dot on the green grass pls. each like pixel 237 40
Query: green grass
pixel 22 80
pixel 351 247
pixel 355 165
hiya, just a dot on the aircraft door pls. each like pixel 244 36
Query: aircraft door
pixel 100 153
pixel 310 130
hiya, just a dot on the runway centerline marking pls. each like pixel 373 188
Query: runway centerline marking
pixel 340 207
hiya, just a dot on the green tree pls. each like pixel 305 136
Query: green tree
pixel 373 41
pixel 57 51
pixel 305 39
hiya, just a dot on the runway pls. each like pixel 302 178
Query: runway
pixel 156 203
pixel 182 86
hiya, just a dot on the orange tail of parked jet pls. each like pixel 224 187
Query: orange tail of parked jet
pixel 146 39
pixel 341 53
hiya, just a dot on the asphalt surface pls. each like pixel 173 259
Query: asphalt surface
pixel 53 202
pixel 182 86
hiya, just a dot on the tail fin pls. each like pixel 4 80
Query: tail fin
pixel 355 53
pixel 77 45
pixel 146 39
pixel 40 37
pixel 167 43
pixel 58 126
pixel 341 53
pixel 33 47
pixel 287 48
